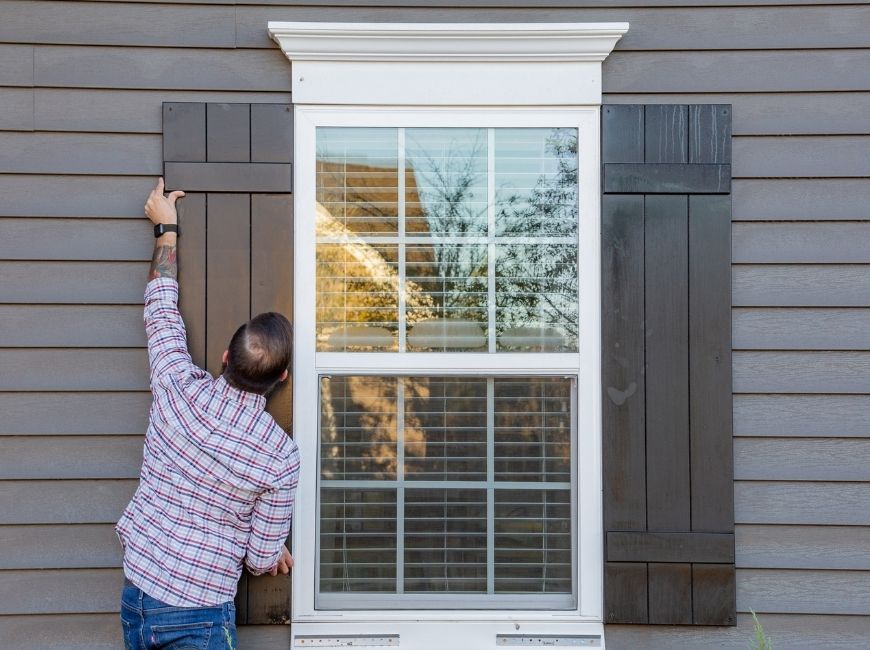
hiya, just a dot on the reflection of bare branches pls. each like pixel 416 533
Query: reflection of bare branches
pixel 446 188
pixel 543 276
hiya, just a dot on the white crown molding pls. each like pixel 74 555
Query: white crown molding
pixel 522 64
pixel 307 41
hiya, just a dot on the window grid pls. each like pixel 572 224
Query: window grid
pixel 493 241
pixel 493 488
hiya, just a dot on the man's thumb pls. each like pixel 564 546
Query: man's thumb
pixel 174 196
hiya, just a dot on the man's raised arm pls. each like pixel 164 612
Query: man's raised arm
pixel 162 212
pixel 167 340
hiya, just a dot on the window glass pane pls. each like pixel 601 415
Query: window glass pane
pixel 357 180
pixel 445 540
pixel 447 239
pixel 445 429
pixel 536 297
pixel 446 485
pixel 357 306
pixel 532 541
pixel 358 428
pixel 357 540
pixel 532 429
pixel 536 182
pixel 446 182
pixel 452 280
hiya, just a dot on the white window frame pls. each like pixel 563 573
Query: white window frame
pixel 341 85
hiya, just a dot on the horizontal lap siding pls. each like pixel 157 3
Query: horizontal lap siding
pixel 81 86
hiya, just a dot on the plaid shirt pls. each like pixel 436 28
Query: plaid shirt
pixel 218 475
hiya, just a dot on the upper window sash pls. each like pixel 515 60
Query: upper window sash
pixel 584 120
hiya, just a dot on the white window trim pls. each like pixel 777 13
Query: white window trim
pixel 471 64
pixel 413 75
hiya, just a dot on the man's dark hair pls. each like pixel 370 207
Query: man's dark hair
pixel 259 352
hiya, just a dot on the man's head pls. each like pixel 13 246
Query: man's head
pixel 259 353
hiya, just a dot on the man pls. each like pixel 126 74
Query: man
pixel 218 474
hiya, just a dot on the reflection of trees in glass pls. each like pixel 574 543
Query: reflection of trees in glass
pixel 359 426
pixel 537 284
pixel 446 199
pixel 448 169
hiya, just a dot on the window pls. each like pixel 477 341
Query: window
pixel 448 307
pixel 447 344
pixel 446 491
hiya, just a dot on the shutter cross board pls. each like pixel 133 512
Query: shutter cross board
pixel 235 253
pixel 666 365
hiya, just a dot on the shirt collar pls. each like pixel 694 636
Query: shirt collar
pixel 251 400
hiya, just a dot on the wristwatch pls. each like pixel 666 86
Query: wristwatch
pixel 162 228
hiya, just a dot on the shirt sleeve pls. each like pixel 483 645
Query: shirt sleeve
pixel 270 521
pixel 167 339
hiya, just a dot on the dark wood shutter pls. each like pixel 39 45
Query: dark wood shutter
pixel 235 252
pixel 666 283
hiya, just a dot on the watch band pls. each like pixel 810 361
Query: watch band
pixel 163 228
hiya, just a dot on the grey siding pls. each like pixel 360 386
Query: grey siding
pixel 81 86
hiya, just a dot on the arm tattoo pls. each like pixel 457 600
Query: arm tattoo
pixel 164 264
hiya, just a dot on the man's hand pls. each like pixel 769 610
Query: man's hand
pixel 285 563
pixel 161 209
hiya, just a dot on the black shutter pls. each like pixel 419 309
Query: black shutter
pixel 666 283
pixel 235 252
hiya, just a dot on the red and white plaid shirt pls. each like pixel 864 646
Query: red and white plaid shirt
pixel 218 475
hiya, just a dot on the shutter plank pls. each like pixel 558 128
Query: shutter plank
pixel 241 600
pixel 666 178
pixel 272 277
pixel 667 357
pixel 271 133
pixel 670 594
pixel 191 272
pixel 623 354
pixel 625 593
pixel 666 133
pixel 228 269
pixel 183 132
pixel 229 177
pixel 710 363
pixel 669 547
pixel 228 132
pixel 709 134
pixel 623 408
pixel 268 599
pixel 624 125
pixel 714 594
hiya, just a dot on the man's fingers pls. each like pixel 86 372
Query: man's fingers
pixel 159 187
pixel 273 571
pixel 174 196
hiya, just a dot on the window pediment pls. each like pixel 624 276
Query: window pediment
pixel 445 63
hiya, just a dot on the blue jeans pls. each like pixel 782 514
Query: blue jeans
pixel 151 624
